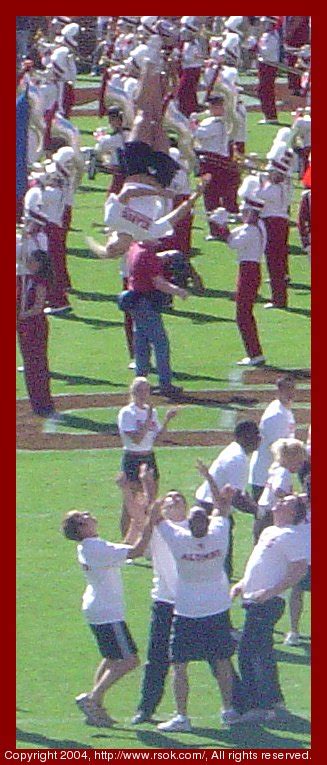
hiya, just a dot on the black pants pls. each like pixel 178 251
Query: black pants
pixel 260 687
pixel 157 664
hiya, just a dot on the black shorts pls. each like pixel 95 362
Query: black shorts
pixel 137 158
pixel 131 462
pixel 207 638
pixel 114 640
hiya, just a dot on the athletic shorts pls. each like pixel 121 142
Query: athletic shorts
pixel 131 462
pixel 114 640
pixel 137 158
pixel 207 638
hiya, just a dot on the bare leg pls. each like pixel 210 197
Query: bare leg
pixel 296 607
pixel 224 679
pixel 180 687
pixel 112 671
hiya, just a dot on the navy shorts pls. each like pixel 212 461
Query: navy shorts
pixel 138 157
pixel 131 462
pixel 114 640
pixel 205 639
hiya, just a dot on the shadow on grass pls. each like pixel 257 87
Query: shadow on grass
pixel 50 743
pixel 95 297
pixel 78 252
pixel 96 323
pixel 296 373
pixel 294 657
pixel 90 189
pixel 199 318
pixel 299 286
pixel 81 380
pixel 240 736
pixel 296 250
pixel 87 423
pixel 299 311
pixel 185 376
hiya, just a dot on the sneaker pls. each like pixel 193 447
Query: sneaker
pixel 141 717
pixel 292 638
pixel 20 369
pixel 132 364
pixel 211 238
pixel 255 361
pixel 58 309
pixel 95 715
pixel 179 724
pixel 229 717
pixel 84 703
pixel 273 305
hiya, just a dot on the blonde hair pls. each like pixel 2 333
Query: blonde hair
pixel 137 382
pixel 287 447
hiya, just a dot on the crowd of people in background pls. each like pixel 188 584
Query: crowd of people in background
pixel 171 90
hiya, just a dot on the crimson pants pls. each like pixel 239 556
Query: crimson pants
pixel 68 99
pixel 33 342
pixel 277 258
pixel 294 80
pixel 266 90
pixel 221 190
pixel 57 251
pixel 181 238
pixel 187 90
pixel 248 283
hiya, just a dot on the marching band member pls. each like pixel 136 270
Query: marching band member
pixel 213 140
pixel 53 201
pixel 275 193
pixel 33 277
pixel 63 61
pixel 301 138
pixel 112 144
pixel 249 240
pixel 296 33
pixel 269 54
pixel 192 61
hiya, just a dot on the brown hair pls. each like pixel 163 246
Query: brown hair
pixel 70 526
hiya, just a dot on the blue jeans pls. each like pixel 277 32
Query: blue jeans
pixel 149 331
pixel 257 663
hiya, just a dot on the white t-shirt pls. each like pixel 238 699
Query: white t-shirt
pixel 278 478
pixel 202 584
pixel 130 418
pixel 268 563
pixel 164 567
pixel 249 241
pixel 127 219
pixel 103 598
pixel 230 467
pixel 276 422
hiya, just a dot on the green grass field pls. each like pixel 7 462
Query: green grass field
pixel 56 655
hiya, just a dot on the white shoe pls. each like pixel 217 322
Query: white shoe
pixel 211 238
pixel 20 369
pixel 255 361
pixel 230 717
pixel 179 724
pixel 132 364
pixel 292 638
